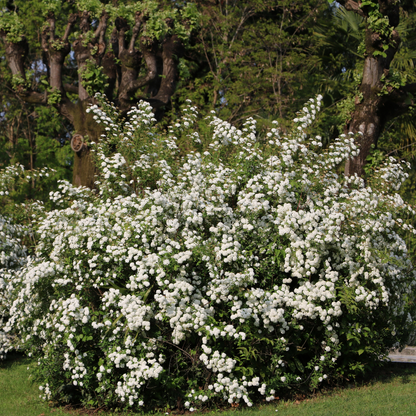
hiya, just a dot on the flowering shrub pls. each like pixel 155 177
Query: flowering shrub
pixel 13 255
pixel 213 268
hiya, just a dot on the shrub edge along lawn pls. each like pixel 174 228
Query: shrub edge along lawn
pixel 388 390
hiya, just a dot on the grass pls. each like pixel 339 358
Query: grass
pixel 390 391
pixel 18 395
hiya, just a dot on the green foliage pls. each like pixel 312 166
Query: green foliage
pixel 34 138
pixel 12 25
pixel 191 15
pixel 95 7
pixel 185 19
pixel 32 18
pixel 345 108
pixel 18 82
pixel 58 44
pixel 50 6
pixel 189 21
pixel 247 61
pixel 340 58
pixel 183 68
pixel 394 80
pixel 86 37
pixel 374 160
pixel 54 96
pixel 93 78
pixel 376 21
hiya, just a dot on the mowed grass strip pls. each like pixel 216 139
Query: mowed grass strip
pixel 391 392
pixel 18 395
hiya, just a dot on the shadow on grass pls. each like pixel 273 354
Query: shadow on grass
pixel 387 373
pixel 390 371
pixel 13 358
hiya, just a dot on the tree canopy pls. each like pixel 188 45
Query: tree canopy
pixel 86 46
pixel 238 58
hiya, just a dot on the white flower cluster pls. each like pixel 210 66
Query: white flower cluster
pixel 106 116
pixel 222 267
pixel 12 252
pixel 13 257
pixel 10 174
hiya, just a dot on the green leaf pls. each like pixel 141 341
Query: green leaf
pixel 299 365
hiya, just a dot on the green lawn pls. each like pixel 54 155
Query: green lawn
pixel 18 395
pixel 390 392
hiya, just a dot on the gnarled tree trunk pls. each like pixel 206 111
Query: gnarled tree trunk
pixel 121 65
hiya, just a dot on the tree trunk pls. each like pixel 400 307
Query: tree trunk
pixel 366 119
pixel 377 100
pixel 86 127
pixel 84 170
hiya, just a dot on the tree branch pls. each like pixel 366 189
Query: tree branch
pixel 85 22
pixel 71 21
pixel 352 6
pixel 99 36
pixel 16 54
pixel 110 68
pixel 56 50
pixel 71 88
pixel 34 97
pixel 114 41
pixel 172 49
pixel 45 39
pixel 122 27
pixel 130 62
pixel 52 28
pixel 136 30
pixel 82 53
pixel 148 50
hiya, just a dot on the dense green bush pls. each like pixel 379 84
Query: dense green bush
pixel 211 266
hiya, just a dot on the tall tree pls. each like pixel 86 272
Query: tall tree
pixel 382 94
pixel 250 57
pixel 260 58
pixel 126 50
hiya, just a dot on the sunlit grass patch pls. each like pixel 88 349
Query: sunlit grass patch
pixel 19 396
pixel 390 391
